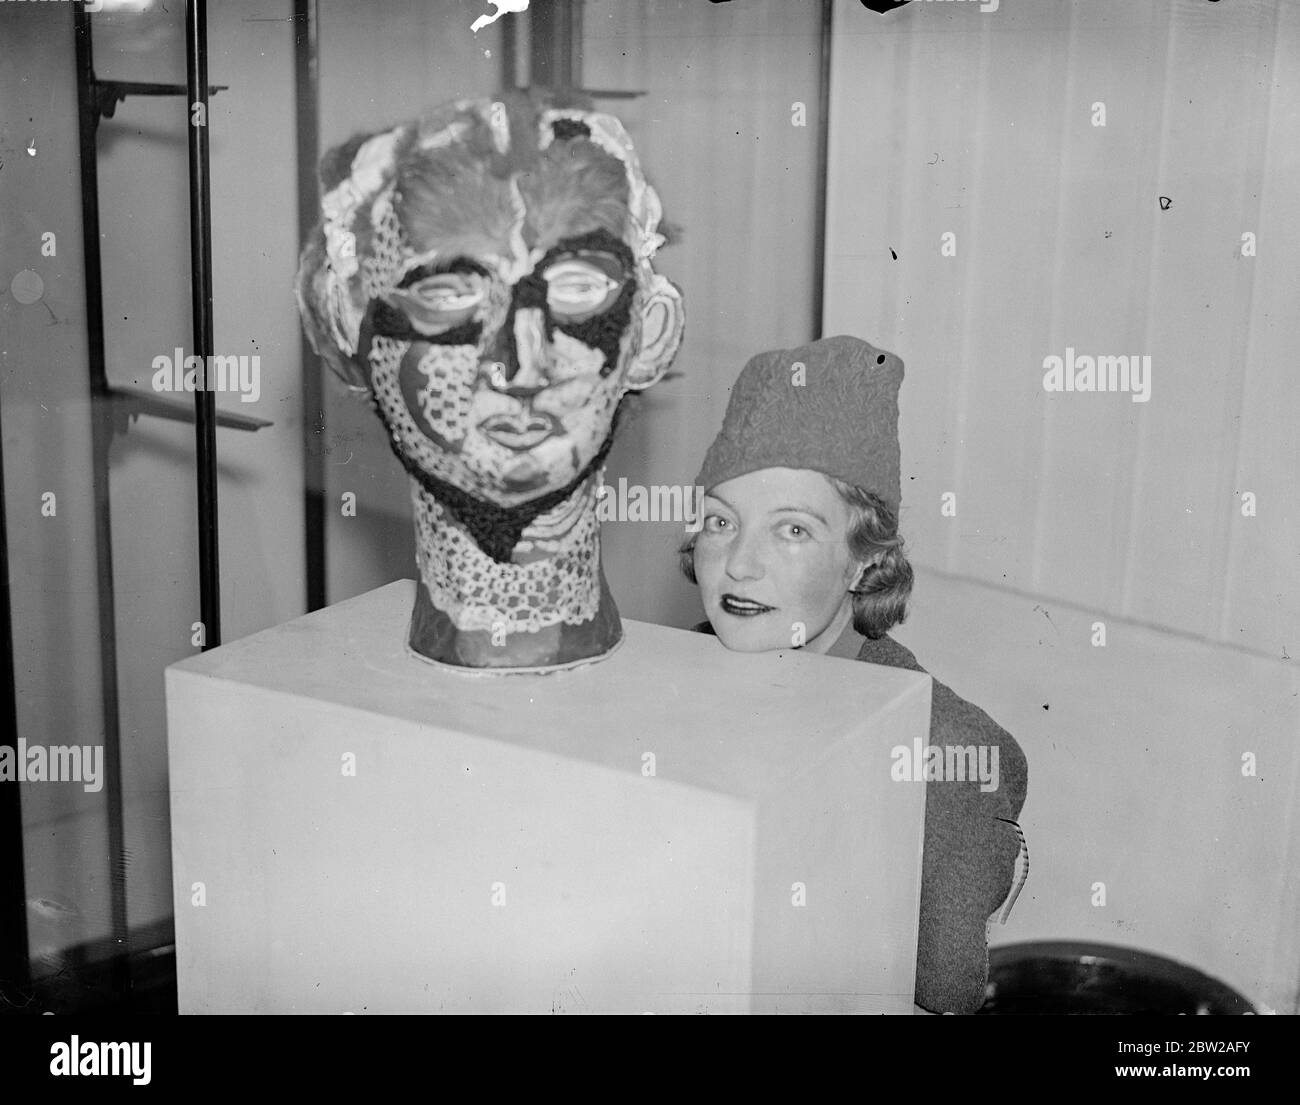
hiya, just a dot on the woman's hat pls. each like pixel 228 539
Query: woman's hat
pixel 831 406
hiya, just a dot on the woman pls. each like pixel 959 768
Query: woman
pixel 800 548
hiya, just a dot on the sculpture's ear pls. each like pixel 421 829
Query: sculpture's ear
pixel 662 320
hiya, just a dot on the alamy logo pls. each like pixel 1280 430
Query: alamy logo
pixel 91 6
pixel 224 373
pixel 58 764
pixel 90 1058
pixel 948 763
pixel 635 503
pixel 1105 373
pixel 985 5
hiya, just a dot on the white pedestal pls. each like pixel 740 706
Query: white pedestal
pixel 368 833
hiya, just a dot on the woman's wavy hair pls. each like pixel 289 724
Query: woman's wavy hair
pixel 882 590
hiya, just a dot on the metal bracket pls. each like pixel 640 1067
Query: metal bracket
pixel 106 95
pixel 130 403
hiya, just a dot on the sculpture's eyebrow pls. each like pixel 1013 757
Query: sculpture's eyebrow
pixel 596 241
pixel 438 268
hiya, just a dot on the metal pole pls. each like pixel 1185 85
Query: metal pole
pixel 307 82
pixel 205 411
pixel 823 174
pixel 15 966
pixel 509 77
pixel 555 45
pixel 101 423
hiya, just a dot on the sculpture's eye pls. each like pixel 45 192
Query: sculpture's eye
pixel 441 301
pixel 451 291
pixel 577 288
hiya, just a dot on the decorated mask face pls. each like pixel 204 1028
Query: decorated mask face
pixel 485 275
pixel 501 373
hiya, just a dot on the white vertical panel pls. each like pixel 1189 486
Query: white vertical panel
pixel 716 134
pixel 1120 506
pixel 1103 243
pixel 957 127
pixel 891 153
pixel 1211 152
pixel 1262 579
pixel 1015 222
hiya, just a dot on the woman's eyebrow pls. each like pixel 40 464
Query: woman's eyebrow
pixel 800 510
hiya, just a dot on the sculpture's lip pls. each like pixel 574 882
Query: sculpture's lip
pixel 519 432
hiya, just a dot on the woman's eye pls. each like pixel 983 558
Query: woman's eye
pixel 794 531
pixel 573 287
pixel 714 524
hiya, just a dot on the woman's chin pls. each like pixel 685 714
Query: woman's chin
pixel 739 636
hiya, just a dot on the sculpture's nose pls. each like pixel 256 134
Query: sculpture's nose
pixel 522 357
pixel 532 356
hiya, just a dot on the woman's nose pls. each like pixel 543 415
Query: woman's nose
pixel 744 559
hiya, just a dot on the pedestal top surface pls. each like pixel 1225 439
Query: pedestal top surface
pixel 686 696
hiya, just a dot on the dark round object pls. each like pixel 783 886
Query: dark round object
pixel 1066 976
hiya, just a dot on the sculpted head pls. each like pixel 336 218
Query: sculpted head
pixel 486 274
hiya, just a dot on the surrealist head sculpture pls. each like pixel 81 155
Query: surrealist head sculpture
pixel 484 274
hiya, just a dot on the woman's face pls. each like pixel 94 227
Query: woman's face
pixel 772 559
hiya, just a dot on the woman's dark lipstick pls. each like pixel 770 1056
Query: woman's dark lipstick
pixel 743 608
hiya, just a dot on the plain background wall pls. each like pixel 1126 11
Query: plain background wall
pixel 145 245
pixel 1061 242
pixel 1074 509
pixel 716 135
pixel 45 398
pixel 144 217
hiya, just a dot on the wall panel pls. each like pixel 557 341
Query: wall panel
pixel 1064 243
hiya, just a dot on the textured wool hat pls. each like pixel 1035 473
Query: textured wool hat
pixel 831 406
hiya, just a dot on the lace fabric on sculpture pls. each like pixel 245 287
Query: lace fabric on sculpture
pixel 477 592
pixel 441 402
pixel 385 364
pixel 496 529
pixel 381 263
